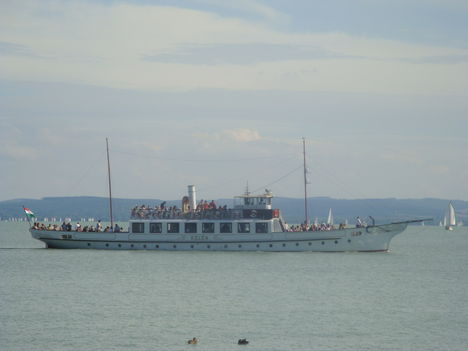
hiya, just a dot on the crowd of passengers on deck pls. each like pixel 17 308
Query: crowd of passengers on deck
pixel 68 227
pixel 204 208
pixel 315 227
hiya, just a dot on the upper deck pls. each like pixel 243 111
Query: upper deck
pixel 249 207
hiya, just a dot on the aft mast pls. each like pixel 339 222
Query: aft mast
pixel 306 216
pixel 110 188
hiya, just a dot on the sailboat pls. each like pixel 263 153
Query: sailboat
pixel 330 217
pixel 450 220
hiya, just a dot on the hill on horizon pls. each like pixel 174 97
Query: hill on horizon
pixel 383 210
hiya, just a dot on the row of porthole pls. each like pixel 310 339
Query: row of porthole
pixel 225 246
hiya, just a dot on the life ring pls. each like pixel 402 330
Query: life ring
pixel 253 213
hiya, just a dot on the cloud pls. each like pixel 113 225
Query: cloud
pixel 162 48
pixel 242 135
pixel 239 135
pixel 242 54
pixel 12 49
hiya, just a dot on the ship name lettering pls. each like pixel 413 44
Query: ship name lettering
pixel 199 237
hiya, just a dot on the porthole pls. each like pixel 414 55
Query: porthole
pixel 240 246
pixel 258 245
pixel 144 246
pixel 284 245
pixel 191 246
pixel 323 242
pixel 349 240
pixel 132 245
pixel 157 246
pixel 310 244
pixel 120 245
pixel 107 245
pixel 225 246
pixel 207 246
pixel 297 244
pixel 174 246
pixel 336 241
pixel 89 244
pixel 271 245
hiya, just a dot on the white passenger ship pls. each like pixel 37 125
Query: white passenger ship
pixel 252 225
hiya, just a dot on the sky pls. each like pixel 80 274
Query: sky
pixel 220 94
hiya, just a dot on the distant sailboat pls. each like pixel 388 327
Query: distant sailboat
pixel 330 217
pixel 450 220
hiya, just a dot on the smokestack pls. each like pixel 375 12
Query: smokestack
pixel 192 197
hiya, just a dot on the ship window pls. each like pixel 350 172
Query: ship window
pixel 243 227
pixel 190 227
pixel 173 227
pixel 138 227
pixel 261 227
pixel 155 227
pixel 208 228
pixel 225 227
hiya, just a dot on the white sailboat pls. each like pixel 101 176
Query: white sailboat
pixel 330 217
pixel 450 220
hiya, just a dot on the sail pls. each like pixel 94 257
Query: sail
pixel 330 217
pixel 451 216
pixel 445 221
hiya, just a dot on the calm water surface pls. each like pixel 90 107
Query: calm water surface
pixel 412 298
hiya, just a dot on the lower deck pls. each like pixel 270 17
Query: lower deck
pixel 352 239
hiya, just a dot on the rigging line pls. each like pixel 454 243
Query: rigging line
pixel 333 180
pixel 85 173
pixel 197 160
pixel 277 180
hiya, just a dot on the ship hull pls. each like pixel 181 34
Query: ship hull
pixel 369 239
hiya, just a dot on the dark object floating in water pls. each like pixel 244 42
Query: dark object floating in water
pixel 193 341
pixel 242 342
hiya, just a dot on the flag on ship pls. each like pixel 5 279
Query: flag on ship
pixel 29 213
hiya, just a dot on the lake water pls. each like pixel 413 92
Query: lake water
pixel 412 298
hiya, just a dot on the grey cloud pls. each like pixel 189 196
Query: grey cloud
pixel 242 54
pixel 442 59
pixel 13 49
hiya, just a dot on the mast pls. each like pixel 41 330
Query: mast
pixel 110 188
pixel 306 217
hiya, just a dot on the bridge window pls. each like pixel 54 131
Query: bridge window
pixel 243 227
pixel 138 227
pixel 190 227
pixel 225 227
pixel 261 227
pixel 155 227
pixel 173 228
pixel 208 227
